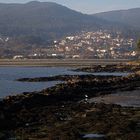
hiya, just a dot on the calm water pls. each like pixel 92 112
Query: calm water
pixel 9 85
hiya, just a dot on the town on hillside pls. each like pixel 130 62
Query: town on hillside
pixel 100 44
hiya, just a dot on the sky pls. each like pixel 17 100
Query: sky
pixel 89 6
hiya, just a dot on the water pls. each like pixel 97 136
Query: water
pixel 95 136
pixel 110 73
pixel 123 98
pixel 9 85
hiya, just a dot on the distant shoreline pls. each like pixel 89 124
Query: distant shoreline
pixel 60 62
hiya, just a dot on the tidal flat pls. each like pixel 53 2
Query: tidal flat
pixel 64 111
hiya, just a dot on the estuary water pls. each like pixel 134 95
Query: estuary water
pixel 9 85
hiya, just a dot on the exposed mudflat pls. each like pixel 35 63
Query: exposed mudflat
pixel 125 98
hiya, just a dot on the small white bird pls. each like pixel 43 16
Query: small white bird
pixel 86 96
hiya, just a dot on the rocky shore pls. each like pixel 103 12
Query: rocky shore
pixel 63 112
pixel 110 68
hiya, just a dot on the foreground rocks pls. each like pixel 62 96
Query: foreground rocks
pixel 63 113
pixel 72 121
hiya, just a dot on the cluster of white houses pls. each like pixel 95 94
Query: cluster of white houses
pixel 99 44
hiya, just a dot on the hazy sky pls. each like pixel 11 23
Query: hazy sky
pixel 89 6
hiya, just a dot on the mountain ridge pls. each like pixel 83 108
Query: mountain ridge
pixel 49 20
pixel 127 16
pixel 35 13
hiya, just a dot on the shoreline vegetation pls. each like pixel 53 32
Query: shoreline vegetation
pixel 63 112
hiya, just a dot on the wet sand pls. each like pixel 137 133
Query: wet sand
pixel 126 98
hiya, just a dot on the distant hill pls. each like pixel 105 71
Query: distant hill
pixel 129 17
pixel 47 20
